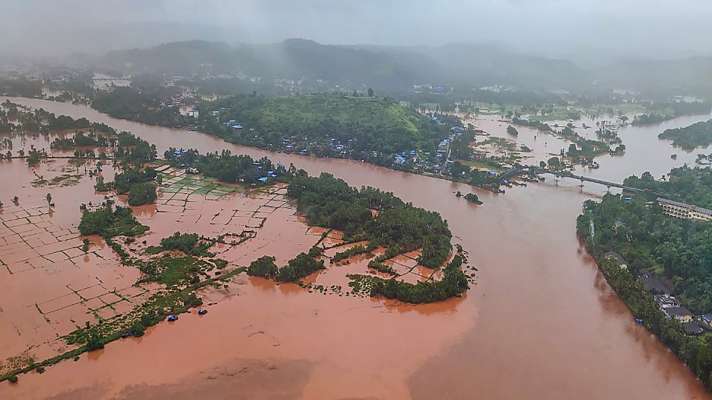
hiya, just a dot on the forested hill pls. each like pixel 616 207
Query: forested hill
pixel 358 124
pixel 392 68
pixel 383 67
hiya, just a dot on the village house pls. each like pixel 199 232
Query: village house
pixel 693 328
pixel 665 301
pixel 680 314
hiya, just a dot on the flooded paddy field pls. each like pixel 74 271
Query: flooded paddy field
pixel 644 151
pixel 54 283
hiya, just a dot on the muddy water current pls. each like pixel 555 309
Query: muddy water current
pixel 539 323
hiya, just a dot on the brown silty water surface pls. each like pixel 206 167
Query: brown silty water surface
pixel 52 287
pixel 541 322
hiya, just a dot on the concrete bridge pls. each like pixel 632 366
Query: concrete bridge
pixel 520 170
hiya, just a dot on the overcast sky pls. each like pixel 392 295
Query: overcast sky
pixel 562 28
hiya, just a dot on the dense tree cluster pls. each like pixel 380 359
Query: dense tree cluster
pixel 363 124
pixel 689 185
pixel 20 87
pixel 299 267
pixel 124 180
pixel 138 183
pixel 666 111
pixel 227 167
pixel 127 148
pixel 330 202
pixel 650 242
pixel 146 104
pixel 134 150
pixel 650 119
pixel 142 193
pixel 690 137
pixel 82 139
pixel 264 267
pixel 460 148
pixel 188 243
pixel 40 120
pixel 109 221
pixel 43 121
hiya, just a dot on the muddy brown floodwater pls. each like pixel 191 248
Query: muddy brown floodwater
pixel 541 322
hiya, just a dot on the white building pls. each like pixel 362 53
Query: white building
pixel 684 211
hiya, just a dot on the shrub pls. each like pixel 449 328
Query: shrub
pixel 142 193
pixel 264 267
pixel 109 222
pixel 299 267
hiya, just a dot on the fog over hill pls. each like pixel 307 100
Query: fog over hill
pixel 586 31
pixel 638 44
pixel 400 67
pixel 379 66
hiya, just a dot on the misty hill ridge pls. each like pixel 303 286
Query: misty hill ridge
pixel 399 68
pixel 377 66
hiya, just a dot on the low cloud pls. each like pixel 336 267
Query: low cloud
pixel 561 28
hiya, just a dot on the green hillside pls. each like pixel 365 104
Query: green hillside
pixel 334 122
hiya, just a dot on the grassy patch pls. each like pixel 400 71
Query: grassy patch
pixel 175 271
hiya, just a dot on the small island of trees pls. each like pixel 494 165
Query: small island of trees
pixel 690 137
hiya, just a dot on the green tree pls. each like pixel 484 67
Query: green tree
pixel 142 193
pixel 264 267
pixel 554 163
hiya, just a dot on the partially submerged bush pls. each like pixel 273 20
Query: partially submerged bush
pixel 299 267
pixel 264 267
pixel 142 193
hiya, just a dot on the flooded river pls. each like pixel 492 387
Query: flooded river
pixel 541 322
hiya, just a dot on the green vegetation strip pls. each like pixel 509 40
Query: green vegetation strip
pixel 454 283
pixel 635 231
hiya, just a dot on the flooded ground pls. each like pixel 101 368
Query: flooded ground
pixel 543 146
pixel 50 286
pixel 541 322
pixel 644 151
